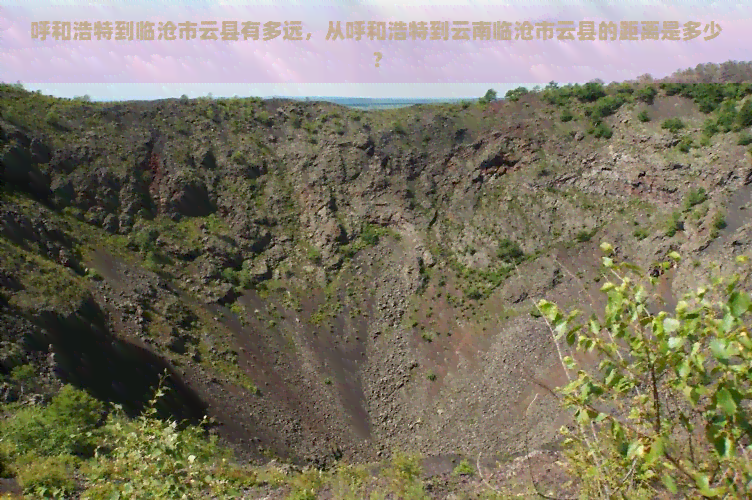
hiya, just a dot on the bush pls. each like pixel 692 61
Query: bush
pixel 584 236
pixel 52 117
pixel 601 131
pixel 145 239
pixel 489 97
pixel 745 114
pixel 65 426
pixel 685 144
pixel 47 477
pixel 159 459
pixel 744 139
pixel 567 116
pixel 728 118
pixel 670 401
pixel 515 94
pixel 607 106
pixel 710 128
pixel 646 94
pixel 509 251
pixel 640 233
pixel 672 125
pixel 590 92
pixel 674 224
pixel 643 116
pixel 464 468
pixel 695 197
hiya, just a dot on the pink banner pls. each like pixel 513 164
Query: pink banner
pixel 363 44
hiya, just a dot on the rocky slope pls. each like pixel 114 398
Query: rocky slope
pixel 332 283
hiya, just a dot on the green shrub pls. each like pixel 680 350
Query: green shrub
pixel 52 117
pixel 646 94
pixel 590 92
pixel 673 125
pixel 744 139
pixel 264 118
pixel 719 221
pixel 159 459
pixel 728 118
pixel 669 403
pixel 641 233
pixel 566 116
pixel 509 251
pixel 464 468
pixel 584 236
pixel 47 477
pixel 302 495
pixel 601 131
pixel 145 239
pixel 65 426
pixel 685 144
pixel 745 114
pixel 24 373
pixel 674 224
pixel 695 197
pixel 515 94
pixel 607 106
pixel 643 116
pixel 710 128
pixel 371 234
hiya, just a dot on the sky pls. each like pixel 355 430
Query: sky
pixel 317 66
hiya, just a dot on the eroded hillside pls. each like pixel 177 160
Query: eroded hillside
pixel 332 283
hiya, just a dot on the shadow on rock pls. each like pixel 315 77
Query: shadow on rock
pixel 89 356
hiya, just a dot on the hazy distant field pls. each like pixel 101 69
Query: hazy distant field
pixel 375 103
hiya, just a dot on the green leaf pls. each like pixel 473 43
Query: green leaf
pixel 636 449
pixel 742 259
pixel 719 348
pixel 674 256
pixel 656 450
pixel 608 262
pixel 670 484
pixel 607 248
pixel 676 342
pixel 671 325
pixel 739 303
pixel 571 337
pixel 548 309
pixel 703 484
pixel 726 402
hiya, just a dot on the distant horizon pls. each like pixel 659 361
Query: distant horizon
pixel 99 92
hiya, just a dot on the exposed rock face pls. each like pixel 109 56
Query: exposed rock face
pixel 331 285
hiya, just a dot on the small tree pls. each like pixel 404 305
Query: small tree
pixel 668 407
pixel 489 97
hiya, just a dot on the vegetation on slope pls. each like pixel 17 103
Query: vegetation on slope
pixel 666 412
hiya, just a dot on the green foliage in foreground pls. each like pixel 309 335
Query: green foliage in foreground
pixel 67 448
pixel 668 407
pixel 666 410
